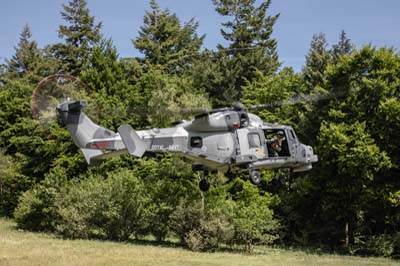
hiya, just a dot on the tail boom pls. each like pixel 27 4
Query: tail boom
pixel 97 143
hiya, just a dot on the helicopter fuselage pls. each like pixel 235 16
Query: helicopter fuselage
pixel 223 139
pixel 223 147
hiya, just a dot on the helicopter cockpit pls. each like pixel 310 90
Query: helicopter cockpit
pixel 277 143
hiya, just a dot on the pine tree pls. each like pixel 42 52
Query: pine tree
pixel 107 77
pixel 27 55
pixel 81 34
pixel 165 43
pixel 317 61
pixel 343 47
pixel 251 47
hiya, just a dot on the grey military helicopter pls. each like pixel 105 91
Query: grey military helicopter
pixel 225 139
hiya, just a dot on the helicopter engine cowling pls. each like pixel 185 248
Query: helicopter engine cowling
pixel 220 121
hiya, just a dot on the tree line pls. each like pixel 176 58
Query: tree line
pixel 350 201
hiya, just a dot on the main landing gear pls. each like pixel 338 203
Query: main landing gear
pixel 254 176
pixel 204 184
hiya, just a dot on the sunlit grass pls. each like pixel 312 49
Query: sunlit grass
pixel 26 248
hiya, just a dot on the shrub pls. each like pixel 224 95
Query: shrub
pixel 36 210
pixel 380 245
pixel 171 184
pixel 242 218
pixel 12 186
pixel 185 218
pixel 112 208
pixel 200 230
pixel 214 229
pixel 78 205
pixel 253 220
pixel 396 246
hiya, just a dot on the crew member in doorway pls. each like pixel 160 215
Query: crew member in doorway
pixel 275 144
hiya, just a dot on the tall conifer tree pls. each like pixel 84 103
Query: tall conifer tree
pixel 27 55
pixel 250 45
pixel 343 47
pixel 317 61
pixel 80 34
pixel 166 43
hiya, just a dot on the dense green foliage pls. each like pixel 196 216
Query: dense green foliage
pixel 349 201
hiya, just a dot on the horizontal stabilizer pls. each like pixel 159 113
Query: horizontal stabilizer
pixel 90 154
pixel 94 157
pixel 133 143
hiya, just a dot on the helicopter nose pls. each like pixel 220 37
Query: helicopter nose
pixel 310 156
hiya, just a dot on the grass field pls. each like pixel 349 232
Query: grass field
pixel 24 248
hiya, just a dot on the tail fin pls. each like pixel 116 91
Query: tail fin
pixel 135 145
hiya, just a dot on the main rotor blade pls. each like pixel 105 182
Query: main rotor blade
pixel 300 99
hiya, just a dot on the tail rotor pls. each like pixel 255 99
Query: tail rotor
pixel 54 90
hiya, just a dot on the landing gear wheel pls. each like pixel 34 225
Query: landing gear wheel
pixel 255 177
pixel 204 185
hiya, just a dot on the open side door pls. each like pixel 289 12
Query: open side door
pixel 252 145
